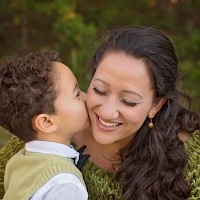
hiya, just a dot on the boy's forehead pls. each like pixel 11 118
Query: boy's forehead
pixel 60 67
pixel 64 76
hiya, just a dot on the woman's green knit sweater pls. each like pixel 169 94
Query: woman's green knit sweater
pixel 100 183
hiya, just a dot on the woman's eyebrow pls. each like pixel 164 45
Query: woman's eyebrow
pixel 98 79
pixel 132 92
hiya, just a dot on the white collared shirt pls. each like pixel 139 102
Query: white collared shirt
pixel 64 186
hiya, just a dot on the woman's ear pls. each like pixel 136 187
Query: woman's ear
pixel 156 107
pixel 44 123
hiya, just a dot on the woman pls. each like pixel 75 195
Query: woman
pixel 143 144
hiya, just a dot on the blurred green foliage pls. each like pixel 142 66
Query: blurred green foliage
pixel 73 27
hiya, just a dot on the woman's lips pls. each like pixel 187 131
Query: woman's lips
pixel 107 128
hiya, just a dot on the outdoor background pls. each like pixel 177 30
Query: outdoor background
pixel 74 27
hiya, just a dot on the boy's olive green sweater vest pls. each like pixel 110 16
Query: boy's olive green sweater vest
pixel 27 171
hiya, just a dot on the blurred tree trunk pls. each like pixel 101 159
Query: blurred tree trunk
pixel 24 33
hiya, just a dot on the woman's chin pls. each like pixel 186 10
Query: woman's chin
pixel 103 139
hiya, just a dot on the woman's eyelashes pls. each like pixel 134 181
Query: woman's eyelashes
pixel 127 103
pixel 99 92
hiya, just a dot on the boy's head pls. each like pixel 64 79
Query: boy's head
pixel 31 94
pixel 26 89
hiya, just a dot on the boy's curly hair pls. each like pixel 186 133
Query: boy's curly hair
pixel 27 89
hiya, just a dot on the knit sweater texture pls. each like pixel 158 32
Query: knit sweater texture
pixel 100 182
pixel 27 171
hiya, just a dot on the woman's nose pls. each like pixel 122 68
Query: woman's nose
pixel 109 109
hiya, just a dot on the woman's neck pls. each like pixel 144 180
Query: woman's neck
pixel 102 155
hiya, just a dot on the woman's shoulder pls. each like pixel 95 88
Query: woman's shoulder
pixel 192 147
pixel 12 147
pixel 192 144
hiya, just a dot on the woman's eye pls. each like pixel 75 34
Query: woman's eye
pixel 129 103
pixel 99 92
pixel 78 94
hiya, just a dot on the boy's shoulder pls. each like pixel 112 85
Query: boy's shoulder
pixel 36 158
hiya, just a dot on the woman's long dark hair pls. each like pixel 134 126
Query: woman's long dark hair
pixel 152 166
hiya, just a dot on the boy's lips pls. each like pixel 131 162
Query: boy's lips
pixel 107 125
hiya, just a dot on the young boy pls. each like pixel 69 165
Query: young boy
pixel 41 103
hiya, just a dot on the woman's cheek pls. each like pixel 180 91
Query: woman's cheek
pixel 136 114
pixel 89 98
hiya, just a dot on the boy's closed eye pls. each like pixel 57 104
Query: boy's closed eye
pixel 78 94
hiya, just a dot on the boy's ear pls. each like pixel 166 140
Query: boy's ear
pixel 156 107
pixel 44 123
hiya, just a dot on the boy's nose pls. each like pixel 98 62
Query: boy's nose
pixel 84 96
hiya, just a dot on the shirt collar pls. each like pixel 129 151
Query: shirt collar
pixel 53 148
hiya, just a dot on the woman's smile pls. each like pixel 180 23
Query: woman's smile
pixel 107 126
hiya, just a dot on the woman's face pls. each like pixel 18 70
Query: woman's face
pixel 119 98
